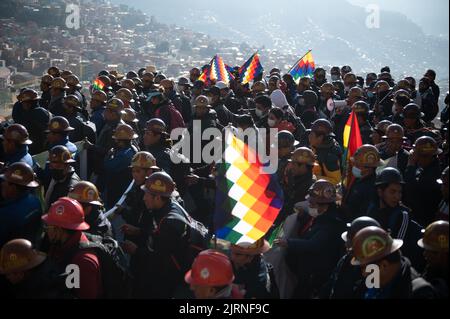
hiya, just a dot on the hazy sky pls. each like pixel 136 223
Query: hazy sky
pixel 431 15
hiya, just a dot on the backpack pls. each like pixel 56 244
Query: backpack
pixel 176 119
pixel 89 131
pixel 197 235
pixel 115 277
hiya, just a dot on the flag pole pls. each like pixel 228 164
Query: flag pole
pixel 299 60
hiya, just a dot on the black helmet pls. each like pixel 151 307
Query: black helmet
pixel 389 175
pixel 285 139
pixel 412 110
pixel 131 75
pixel 310 98
pixel 355 226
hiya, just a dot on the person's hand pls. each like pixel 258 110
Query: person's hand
pixel 191 179
pixel 129 247
pixel 412 159
pixel 130 230
pixel 280 242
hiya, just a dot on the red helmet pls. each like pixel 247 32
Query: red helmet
pixel 211 268
pixel 66 213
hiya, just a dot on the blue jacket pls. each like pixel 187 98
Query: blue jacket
pixel 98 119
pixel 116 174
pixel 20 218
pixel 21 155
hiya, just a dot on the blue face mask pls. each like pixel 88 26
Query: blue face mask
pixel 356 172
pixel 370 95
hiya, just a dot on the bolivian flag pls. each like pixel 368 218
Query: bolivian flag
pixel 352 141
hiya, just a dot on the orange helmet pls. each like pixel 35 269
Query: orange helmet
pixel 20 173
pixel 18 255
pixel 435 237
pixel 59 124
pixel 212 269
pixel 144 160
pixel 66 213
pixel 124 132
pixel 367 156
pixel 17 133
pixel 372 244
pixel 85 193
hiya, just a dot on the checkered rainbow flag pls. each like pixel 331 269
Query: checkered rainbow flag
pixel 216 71
pixel 247 201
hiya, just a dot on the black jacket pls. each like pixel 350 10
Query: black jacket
pixel 358 198
pixel 422 192
pixel 62 188
pixel 255 279
pixel 160 265
pixel 313 255
pixel 406 285
pixel 397 220
pixel 343 281
pixel 99 224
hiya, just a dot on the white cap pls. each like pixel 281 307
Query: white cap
pixel 221 85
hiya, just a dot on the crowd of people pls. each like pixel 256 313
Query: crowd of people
pixel 111 201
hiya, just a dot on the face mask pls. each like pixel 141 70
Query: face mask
pixel 370 95
pixel 335 77
pixel 57 174
pixel 258 113
pixel 271 123
pixel 313 212
pixel 356 172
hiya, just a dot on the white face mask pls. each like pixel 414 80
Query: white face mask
pixel 313 212
pixel 271 122
pixel 356 172
pixel 258 113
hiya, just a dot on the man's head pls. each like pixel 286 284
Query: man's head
pixel 426 149
pixel 17 179
pixel 142 166
pixel 194 74
pixel 58 129
pixel 373 245
pixel 98 99
pixel 18 258
pixel 58 87
pixel 321 129
pixel 155 128
pixel 365 161
pixel 64 217
pixel 321 195
pixel 87 195
pixel 114 110
pixel 14 138
pixel 211 275
pixel 286 142
pixel 263 104
pixel 431 74
pixel 46 81
pixel 243 254
pixel 394 138
pixel 435 245
pixel 158 189
pixel 202 106
pixel 302 161
pixel 59 161
pixel 389 183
